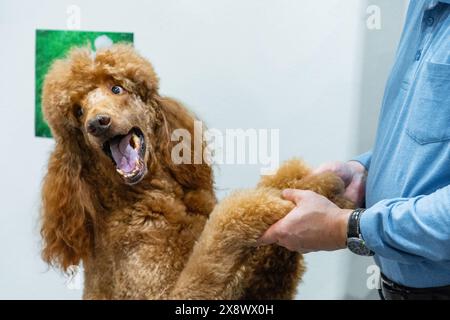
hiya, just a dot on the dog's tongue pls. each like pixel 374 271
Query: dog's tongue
pixel 124 154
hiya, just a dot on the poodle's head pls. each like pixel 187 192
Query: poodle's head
pixel 107 104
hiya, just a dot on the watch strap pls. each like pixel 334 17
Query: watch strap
pixel 353 223
pixel 355 241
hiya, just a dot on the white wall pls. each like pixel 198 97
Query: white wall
pixel 292 65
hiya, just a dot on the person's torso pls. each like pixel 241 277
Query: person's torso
pixel 411 156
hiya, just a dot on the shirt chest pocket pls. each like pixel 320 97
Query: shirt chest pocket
pixel 428 120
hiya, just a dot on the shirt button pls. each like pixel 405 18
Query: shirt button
pixel 418 55
pixel 430 21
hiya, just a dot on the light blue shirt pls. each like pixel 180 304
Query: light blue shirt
pixel 407 223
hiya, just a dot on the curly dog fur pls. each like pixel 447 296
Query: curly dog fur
pixel 162 237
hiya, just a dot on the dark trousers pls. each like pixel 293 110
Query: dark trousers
pixel 394 291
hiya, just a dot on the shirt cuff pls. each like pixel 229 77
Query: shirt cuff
pixel 371 228
pixel 364 159
pixel 368 227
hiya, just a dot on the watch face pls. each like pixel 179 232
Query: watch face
pixel 357 246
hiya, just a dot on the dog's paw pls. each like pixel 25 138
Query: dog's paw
pixel 287 176
pixel 295 174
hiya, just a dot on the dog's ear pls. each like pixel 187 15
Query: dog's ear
pixel 67 209
pixel 68 213
pixel 194 173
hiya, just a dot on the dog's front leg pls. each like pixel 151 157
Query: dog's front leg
pixel 216 267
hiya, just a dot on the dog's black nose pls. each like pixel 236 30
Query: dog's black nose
pixel 99 125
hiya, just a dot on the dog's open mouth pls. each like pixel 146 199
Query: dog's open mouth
pixel 128 153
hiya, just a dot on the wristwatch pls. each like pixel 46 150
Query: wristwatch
pixel 355 241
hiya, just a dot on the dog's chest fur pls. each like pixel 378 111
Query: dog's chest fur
pixel 142 249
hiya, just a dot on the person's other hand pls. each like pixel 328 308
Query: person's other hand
pixel 354 176
pixel 314 224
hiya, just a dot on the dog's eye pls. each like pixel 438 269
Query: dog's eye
pixel 78 111
pixel 117 90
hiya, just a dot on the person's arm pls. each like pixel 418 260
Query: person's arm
pixel 410 230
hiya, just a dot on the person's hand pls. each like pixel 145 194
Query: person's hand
pixel 354 176
pixel 314 224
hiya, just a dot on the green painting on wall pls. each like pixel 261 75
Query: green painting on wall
pixel 54 44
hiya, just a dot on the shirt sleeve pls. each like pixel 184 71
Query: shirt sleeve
pixel 410 230
pixel 364 159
